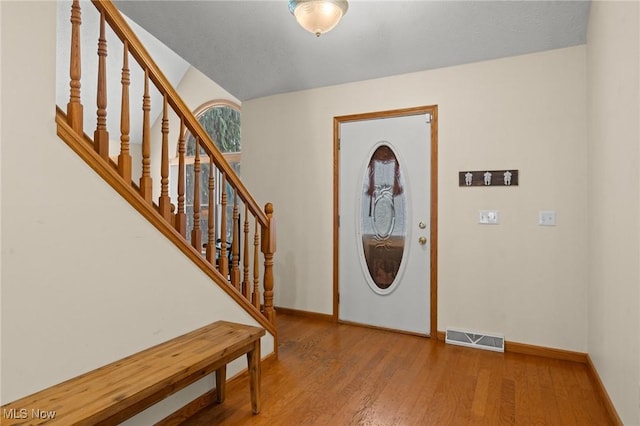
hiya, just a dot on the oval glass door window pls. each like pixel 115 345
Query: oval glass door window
pixel 382 219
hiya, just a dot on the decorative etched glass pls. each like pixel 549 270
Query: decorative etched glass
pixel 383 220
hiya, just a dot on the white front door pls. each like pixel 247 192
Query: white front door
pixel 384 222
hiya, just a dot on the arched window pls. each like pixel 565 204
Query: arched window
pixel 221 121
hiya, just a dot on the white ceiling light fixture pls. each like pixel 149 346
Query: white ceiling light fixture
pixel 318 16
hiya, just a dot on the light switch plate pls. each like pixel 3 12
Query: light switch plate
pixel 547 218
pixel 488 217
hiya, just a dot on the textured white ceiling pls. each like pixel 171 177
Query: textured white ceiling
pixel 256 48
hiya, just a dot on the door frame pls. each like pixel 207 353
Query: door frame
pixel 337 121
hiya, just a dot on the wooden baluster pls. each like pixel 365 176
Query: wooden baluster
pixel 124 159
pixel 255 297
pixel 196 233
pixel 164 203
pixel 268 250
pixel 181 217
pixel 211 240
pixel 235 249
pixel 224 259
pixel 145 180
pixel 246 288
pixel 101 135
pixel 74 107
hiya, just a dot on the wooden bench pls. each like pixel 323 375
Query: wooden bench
pixel 116 392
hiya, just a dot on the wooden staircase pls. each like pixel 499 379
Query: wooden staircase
pixel 239 274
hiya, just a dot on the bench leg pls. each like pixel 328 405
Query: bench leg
pixel 253 359
pixel 221 380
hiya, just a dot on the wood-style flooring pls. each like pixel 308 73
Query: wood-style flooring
pixel 333 374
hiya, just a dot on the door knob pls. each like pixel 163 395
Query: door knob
pixel 422 240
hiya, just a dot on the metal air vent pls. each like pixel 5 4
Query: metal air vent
pixel 491 342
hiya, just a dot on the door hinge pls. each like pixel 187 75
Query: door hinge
pixel 428 117
pixel 338 221
pixel 338 144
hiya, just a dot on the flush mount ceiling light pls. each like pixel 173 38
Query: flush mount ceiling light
pixel 318 16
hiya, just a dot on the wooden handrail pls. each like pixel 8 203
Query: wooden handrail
pixel 138 51
pixel 227 262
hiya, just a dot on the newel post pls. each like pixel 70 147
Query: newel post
pixel 268 250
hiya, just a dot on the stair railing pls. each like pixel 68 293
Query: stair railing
pixel 239 271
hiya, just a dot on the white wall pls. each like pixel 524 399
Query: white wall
pixel 85 279
pixel 195 89
pixel 613 67
pixel 526 113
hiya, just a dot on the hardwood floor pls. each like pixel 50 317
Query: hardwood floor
pixel 332 374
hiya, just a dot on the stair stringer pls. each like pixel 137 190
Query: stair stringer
pixel 108 172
